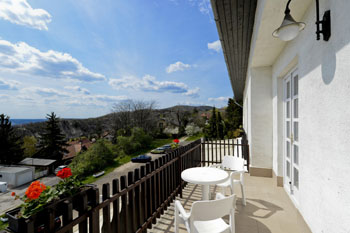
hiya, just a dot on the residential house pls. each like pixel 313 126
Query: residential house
pixel 74 147
pixel 296 98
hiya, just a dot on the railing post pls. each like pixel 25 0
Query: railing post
pixel 144 212
pixel 124 213
pixel 137 199
pixel 116 207
pixel 68 214
pixel 94 220
pixel 83 208
pixel 106 227
pixel 131 203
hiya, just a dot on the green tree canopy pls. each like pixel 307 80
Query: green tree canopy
pixel 220 126
pixel 234 115
pixel 52 142
pixel 29 146
pixel 10 144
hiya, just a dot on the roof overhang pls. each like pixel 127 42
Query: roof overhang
pixel 235 21
pixel 245 30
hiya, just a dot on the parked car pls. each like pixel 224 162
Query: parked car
pixel 59 168
pixel 141 159
pixel 162 149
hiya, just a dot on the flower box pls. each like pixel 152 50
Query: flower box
pixel 41 219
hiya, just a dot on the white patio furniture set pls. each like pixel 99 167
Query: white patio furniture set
pixel 206 215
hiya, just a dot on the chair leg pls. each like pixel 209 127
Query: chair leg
pixel 176 222
pixel 243 195
pixel 223 190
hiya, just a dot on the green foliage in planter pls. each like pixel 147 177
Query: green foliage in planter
pixel 68 187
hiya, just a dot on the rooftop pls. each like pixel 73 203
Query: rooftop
pixel 11 169
pixel 37 162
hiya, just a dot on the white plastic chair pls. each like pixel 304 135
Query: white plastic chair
pixel 236 166
pixel 206 216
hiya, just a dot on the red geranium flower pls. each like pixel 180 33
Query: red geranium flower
pixel 35 189
pixel 176 140
pixel 64 173
pixel 13 194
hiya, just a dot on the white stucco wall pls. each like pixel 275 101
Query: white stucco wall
pixel 324 123
pixel 258 120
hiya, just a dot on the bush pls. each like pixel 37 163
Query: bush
pixel 99 156
pixel 138 140
pixel 192 130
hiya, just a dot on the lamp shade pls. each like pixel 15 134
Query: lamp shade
pixel 289 28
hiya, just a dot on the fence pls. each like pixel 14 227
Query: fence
pixel 214 150
pixel 133 202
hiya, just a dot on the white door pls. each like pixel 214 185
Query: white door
pixel 291 135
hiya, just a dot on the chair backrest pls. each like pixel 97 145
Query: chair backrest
pixel 213 209
pixel 230 162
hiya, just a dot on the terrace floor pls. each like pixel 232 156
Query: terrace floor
pixel 268 209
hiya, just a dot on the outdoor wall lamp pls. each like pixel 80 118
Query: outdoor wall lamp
pixel 290 28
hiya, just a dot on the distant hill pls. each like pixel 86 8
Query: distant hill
pixel 74 128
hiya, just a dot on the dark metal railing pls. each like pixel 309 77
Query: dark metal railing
pixel 134 202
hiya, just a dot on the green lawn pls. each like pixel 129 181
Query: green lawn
pixel 195 137
pixel 123 160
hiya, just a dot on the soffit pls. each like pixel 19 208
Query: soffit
pixel 267 48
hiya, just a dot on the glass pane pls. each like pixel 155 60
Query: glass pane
pixel 296 108
pixel 296 154
pixel 288 169
pixel 296 131
pixel 288 109
pixel 296 85
pixel 296 178
pixel 287 129
pixel 288 90
pixel 288 149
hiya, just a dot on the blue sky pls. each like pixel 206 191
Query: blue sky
pixel 78 58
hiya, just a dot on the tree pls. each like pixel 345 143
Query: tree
pixel 29 146
pixel 220 126
pixel 234 115
pixel 213 131
pixel 52 142
pixel 10 145
pixel 133 113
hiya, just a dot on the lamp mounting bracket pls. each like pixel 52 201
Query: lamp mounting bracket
pixel 325 23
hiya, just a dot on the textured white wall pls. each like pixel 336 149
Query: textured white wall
pixel 260 111
pixel 324 95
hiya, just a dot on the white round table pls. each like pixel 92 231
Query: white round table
pixel 204 176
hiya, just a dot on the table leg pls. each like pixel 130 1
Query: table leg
pixel 205 192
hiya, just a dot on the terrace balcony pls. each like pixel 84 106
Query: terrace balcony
pixel 143 201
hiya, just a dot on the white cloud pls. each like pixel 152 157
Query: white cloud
pixel 219 99
pixel 8 85
pixel 23 58
pixel 149 83
pixel 193 92
pixel 47 95
pixel 44 92
pixel 216 45
pixel 78 89
pixel 20 12
pixel 204 6
pixel 177 66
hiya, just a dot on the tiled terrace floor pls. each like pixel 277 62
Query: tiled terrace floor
pixel 268 209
